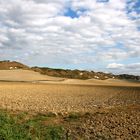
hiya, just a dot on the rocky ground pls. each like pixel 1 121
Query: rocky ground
pixel 64 98
pixel 86 112
pixel 121 123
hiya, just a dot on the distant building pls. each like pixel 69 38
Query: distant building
pixel 10 68
pixel 81 74
pixel 96 77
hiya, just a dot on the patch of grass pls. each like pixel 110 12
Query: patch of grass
pixel 50 114
pixel 73 116
pixel 16 127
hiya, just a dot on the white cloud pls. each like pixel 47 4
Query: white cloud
pixel 115 66
pixel 132 68
pixel 38 32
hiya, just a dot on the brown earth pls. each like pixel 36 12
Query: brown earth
pixel 64 97
pixel 119 123
pixel 45 93
pixel 110 108
pixel 109 112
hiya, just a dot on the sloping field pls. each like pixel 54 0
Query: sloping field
pixel 108 82
pixel 64 98
pixel 25 76
pixel 20 75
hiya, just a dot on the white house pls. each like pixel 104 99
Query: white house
pixel 10 68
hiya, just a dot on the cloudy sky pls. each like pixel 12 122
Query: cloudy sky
pixel 100 35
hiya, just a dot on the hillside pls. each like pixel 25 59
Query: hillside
pixel 10 65
pixel 22 75
pixel 83 74
pixel 71 74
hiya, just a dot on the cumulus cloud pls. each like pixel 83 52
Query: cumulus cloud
pixel 115 66
pixel 39 32
pixel 132 68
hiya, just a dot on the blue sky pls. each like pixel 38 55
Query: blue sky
pixel 71 13
pixel 100 35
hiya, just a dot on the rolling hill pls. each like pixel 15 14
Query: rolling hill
pixel 71 74
pixel 10 65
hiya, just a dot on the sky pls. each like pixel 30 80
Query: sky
pixel 99 35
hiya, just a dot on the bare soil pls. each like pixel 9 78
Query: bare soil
pixel 106 109
pixel 64 98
